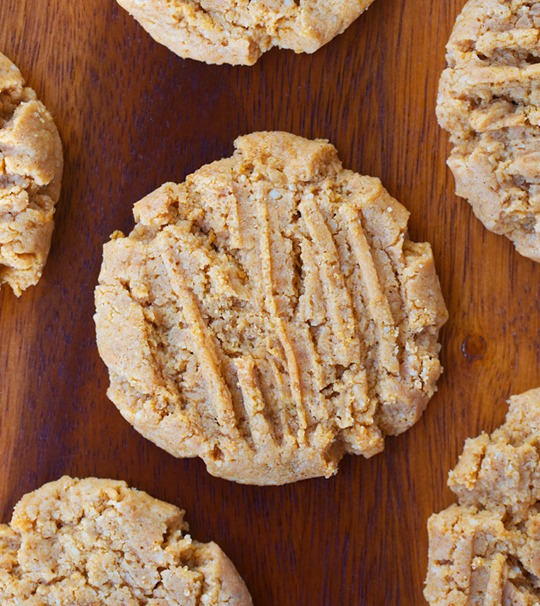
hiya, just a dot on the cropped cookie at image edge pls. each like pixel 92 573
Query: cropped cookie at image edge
pixel 485 549
pixel 270 314
pixel 239 32
pixel 489 103
pixel 94 541
pixel 31 163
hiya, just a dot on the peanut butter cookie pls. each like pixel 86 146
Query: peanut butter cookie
pixel 240 31
pixel 489 100
pixel 31 164
pixel 270 314
pixel 486 549
pixel 97 542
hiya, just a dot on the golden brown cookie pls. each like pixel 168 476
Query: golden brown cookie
pixel 99 543
pixel 270 314
pixel 486 549
pixel 31 164
pixel 240 31
pixel 489 101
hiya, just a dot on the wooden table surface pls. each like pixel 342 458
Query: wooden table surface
pixel 133 115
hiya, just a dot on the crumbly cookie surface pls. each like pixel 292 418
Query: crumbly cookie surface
pixel 486 549
pixel 97 542
pixel 270 314
pixel 31 164
pixel 240 31
pixel 489 100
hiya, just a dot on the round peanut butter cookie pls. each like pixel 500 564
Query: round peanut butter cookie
pixel 99 543
pixel 485 550
pixel 240 31
pixel 270 314
pixel 31 164
pixel 489 101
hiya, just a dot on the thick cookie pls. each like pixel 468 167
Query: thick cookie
pixel 97 542
pixel 240 31
pixel 270 314
pixel 489 101
pixel 30 172
pixel 486 550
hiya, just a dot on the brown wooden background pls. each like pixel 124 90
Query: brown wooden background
pixel 132 115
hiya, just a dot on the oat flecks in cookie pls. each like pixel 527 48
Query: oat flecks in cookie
pixel 240 31
pixel 270 314
pixel 486 549
pixel 31 164
pixel 97 542
pixel 489 101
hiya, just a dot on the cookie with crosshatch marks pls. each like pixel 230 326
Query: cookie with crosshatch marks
pixel 489 102
pixel 270 314
pixel 94 542
pixel 31 162
pixel 240 31
pixel 486 548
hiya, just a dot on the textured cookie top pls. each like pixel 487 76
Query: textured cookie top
pixel 240 31
pixel 270 314
pixel 99 543
pixel 30 172
pixel 486 550
pixel 489 101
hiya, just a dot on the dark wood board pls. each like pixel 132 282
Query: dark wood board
pixel 133 115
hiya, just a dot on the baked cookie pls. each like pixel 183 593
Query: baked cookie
pixel 489 101
pixel 486 549
pixel 97 542
pixel 270 314
pixel 240 31
pixel 30 172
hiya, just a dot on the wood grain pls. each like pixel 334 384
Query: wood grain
pixel 132 115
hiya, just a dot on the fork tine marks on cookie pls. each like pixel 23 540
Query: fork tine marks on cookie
pixel 376 301
pixel 267 269
pixel 337 298
pixel 264 435
pixel 203 342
